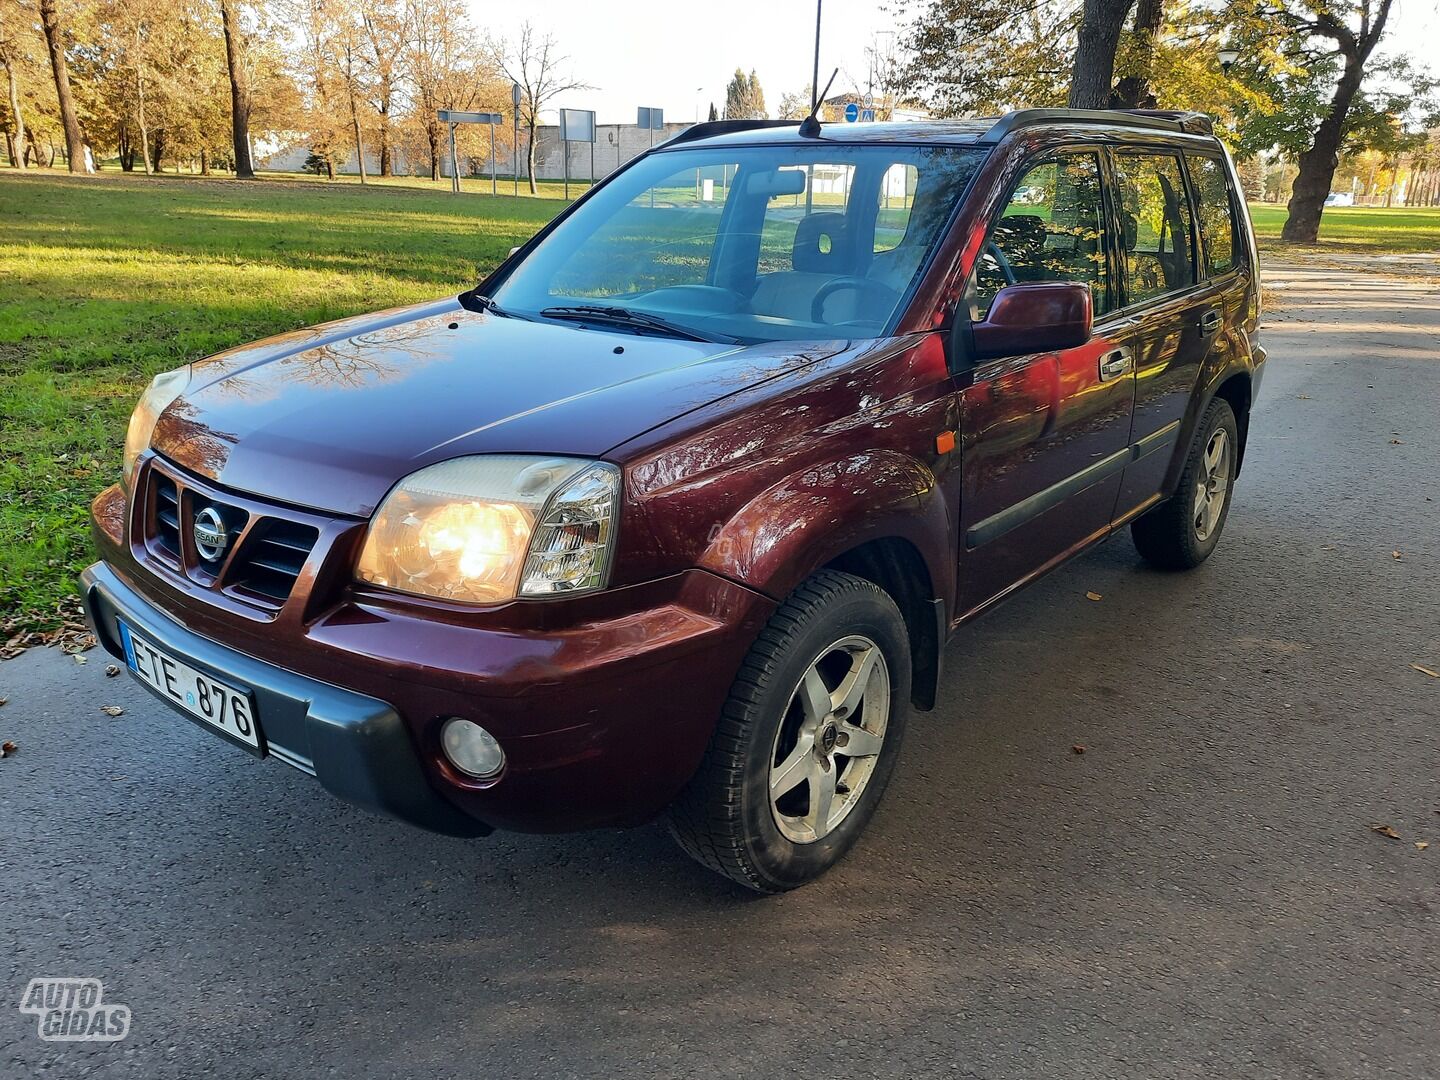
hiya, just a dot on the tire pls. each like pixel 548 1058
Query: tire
pixel 1180 533
pixel 849 633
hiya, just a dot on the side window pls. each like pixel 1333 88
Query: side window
pixel 1217 216
pixel 1155 215
pixel 1051 230
pixel 820 188
pixel 897 199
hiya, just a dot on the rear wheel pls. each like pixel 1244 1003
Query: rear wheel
pixel 1181 532
pixel 806 741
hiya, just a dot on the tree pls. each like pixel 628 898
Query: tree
pixel 534 63
pixel 385 32
pixel 239 88
pixel 1355 44
pixel 1133 90
pixel 744 100
pixel 55 42
pixel 714 114
pixel 1094 68
pixel 985 56
pixel 12 47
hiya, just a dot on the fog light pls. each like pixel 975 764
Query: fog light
pixel 471 748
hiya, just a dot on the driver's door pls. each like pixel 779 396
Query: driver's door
pixel 1045 436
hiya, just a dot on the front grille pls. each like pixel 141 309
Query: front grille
pixel 166 534
pixel 265 550
pixel 272 557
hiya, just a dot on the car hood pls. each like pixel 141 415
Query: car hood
pixel 331 417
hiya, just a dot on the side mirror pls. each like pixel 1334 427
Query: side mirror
pixel 1044 317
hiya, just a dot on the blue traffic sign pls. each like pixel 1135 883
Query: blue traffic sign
pixel 868 116
pixel 852 112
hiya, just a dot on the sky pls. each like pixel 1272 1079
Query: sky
pixel 679 57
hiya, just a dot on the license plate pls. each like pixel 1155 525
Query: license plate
pixel 222 707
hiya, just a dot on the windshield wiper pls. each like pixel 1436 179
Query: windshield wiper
pixel 478 301
pixel 619 316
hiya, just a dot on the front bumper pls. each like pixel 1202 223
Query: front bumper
pixel 356 746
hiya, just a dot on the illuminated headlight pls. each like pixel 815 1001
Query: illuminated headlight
pixel 158 396
pixel 493 527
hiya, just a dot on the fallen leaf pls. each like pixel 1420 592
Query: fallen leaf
pixel 1093 596
pixel 112 710
pixel 1077 748
pixel 1426 671
pixel 1385 830
pixel 1421 845
pixel 1396 442
pixel 78 658
pixel 1303 397
pixel 3 700
pixel 1395 554
pixel 7 748
pixel 111 670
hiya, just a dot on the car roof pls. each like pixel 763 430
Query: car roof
pixel 985 130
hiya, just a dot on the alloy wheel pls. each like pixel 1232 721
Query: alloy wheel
pixel 829 739
pixel 1213 487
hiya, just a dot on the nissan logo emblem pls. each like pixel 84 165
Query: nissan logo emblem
pixel 210 534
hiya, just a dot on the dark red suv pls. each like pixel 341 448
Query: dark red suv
pixel 676 510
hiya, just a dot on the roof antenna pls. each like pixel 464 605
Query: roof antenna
pixel 810 126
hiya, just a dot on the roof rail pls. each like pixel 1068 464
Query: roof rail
pixel 723 127
pixel 1193 122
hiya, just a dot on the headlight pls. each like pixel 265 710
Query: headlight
pixel 158 396
pixel 493 527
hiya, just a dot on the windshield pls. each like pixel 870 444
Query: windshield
pixel 748 243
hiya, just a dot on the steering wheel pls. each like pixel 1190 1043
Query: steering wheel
pixel 834 285
pixel 1006 270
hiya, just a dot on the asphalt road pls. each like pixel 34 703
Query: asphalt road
pixel 1199 894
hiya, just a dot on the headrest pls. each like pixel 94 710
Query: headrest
pixel 820 243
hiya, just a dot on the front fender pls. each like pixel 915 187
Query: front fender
pixel 812 517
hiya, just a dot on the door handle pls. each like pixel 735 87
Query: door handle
pixel 1115 363
pixel 1210 322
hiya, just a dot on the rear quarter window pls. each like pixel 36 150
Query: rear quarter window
pixel 1215 201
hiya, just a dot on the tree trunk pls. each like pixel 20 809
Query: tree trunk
pixel 387 168
pixel 239 92
pixel 204 162
pixel 17 151
pixel 157 150
pixel 140 107
pixel 1133 91
pixel 530 155
pixel 359 141
pixel 1094 69
pixel 1317 165
pixel 55 43
pixel 432 137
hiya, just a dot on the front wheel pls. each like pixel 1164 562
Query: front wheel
pixel 806 741
pixel 1182 531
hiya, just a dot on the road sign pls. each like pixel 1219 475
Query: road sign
pixel 455 116
pixel 852 112
pixel 650 119
pixel 515 94
pixel 869 101
pixel 867 116
pixel 577 125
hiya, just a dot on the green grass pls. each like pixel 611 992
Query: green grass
pixel 108 280
pixel 1396 230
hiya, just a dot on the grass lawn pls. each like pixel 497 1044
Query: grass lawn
pixel 108 280
pixel 1358 228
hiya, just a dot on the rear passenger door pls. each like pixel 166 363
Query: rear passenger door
pixel 1174 319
